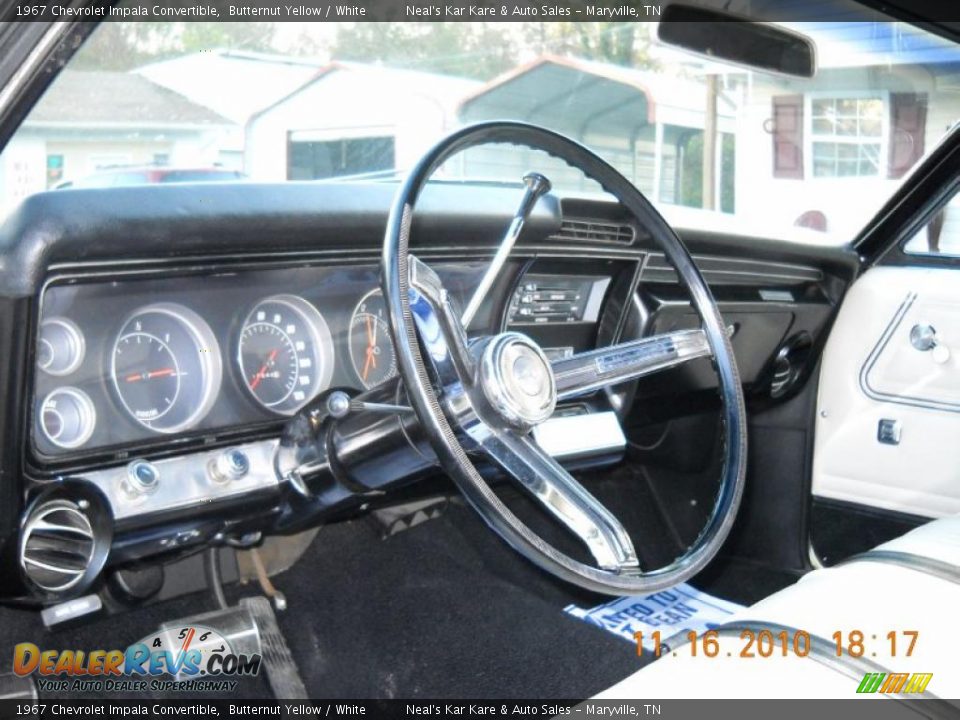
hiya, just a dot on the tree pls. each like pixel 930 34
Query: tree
pixel 475 50
pixel 624 44
pixel 126 45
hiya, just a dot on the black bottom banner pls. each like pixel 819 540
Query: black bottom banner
pixel 388 709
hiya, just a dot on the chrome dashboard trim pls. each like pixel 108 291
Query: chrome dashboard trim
pixel 754 271
pixel 187 482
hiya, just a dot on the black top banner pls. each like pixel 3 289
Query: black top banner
pixel 346 11
pixel 455 10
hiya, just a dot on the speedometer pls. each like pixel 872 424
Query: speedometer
pixel 285 353
pixel 166 367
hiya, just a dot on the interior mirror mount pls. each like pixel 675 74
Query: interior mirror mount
pixel 726 37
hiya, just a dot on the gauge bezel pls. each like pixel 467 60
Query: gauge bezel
pixel 88 415
pixel 353 360
pixel 211 363
pixel 79 343
pixel 323 356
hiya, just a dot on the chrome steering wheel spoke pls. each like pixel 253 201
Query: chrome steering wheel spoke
pixel 510 447
pixel 556 490
pixel 585 372
pixel 439 326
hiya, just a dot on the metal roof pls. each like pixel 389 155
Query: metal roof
pixel 109 99
pixel 439 86
pixel 232 83
pixel 578 96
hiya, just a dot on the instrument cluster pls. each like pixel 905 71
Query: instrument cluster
pixel 140 359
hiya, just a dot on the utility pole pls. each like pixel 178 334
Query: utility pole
pixel 710 145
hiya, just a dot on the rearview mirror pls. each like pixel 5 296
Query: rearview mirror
pixel 730 38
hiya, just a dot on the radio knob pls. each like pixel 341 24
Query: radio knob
pixel 231 464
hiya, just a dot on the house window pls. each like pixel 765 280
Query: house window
pixel 846 136
pixel 312 160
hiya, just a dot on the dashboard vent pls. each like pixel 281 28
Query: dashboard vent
pixel 57 545
pixel 787 366
pixel 782 376
pixel 593 231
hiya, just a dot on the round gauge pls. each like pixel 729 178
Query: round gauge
pixel 67 417
pixel 61 346
pixel 285 353
pixel 371 348
pixel 166 367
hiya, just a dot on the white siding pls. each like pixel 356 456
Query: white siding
pixel 348 103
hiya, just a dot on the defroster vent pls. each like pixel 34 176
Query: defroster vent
pixel 594 231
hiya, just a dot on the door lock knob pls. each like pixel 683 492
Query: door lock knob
pixel 923 337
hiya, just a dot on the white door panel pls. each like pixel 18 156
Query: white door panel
pixel 871 372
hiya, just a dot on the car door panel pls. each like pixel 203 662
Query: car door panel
pixel 888 419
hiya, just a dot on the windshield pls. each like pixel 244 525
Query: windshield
pixel 712 145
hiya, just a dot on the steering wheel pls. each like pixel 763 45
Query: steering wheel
pixel 485 396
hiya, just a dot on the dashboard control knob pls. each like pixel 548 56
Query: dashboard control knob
pixel 231 464
pixel 143 477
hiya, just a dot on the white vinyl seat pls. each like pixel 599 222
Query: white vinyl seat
pixel 938 540
pixel 872 596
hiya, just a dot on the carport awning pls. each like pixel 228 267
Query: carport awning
pixel 575 97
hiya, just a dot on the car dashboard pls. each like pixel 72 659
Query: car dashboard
pixel 166 336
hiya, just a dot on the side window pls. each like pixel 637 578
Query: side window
pixel 941 236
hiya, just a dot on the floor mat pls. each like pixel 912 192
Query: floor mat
pixel 670 612
pixel 443 610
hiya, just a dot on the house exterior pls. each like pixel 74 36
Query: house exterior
pixel 815 140
pixel 213 79
pixel 352 118
pixel 90 120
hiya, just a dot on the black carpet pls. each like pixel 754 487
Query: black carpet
pixel 443 610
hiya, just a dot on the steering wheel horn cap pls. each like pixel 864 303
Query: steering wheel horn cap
pixel 517 380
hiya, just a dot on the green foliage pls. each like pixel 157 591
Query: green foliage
pixel 625 44
pixel 484 50
pixel 127 45
pixel 467 50
pixel 476 50
pixel 691 171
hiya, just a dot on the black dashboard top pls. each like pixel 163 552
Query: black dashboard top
pixel 149 223
pixel 211 219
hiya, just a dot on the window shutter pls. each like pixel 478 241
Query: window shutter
pixel 908 122
pixel 788 136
